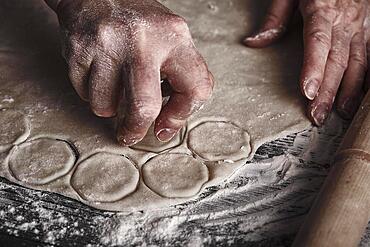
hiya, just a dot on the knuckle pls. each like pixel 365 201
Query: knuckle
pixel 359 44
pixel 75 43
pixel 359 50
pixel 317 11
pixel 339 59
pixel 144 110
pixel 107 37
pixel 353 14
pixel 177 20
pixel 76 50
pixel 342 64
pixel 179 25
pixel 72 48
pixel 203 91
pixel 77 67
pixel 359 58
pixel 318 35
pixel 339 62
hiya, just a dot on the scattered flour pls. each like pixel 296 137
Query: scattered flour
pixel 7 99
pixel 264 199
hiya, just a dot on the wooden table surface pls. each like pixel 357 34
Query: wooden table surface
pixel 240 211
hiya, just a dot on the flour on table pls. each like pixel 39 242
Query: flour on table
pixel 14 128
pixel 175 175
pixel 52 141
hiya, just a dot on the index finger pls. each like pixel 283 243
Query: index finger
pixel 143 103
pixel 192 86
pixel 317 44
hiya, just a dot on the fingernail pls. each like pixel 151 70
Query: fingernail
pixel 320 113
pixel 166 134
pixel 105 114
pixel 310 88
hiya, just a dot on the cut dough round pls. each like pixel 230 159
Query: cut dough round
pixel 41 161
pixel 150 142
pixel 105 177
pixel 175 175
pixel 14 128
pixel 219 141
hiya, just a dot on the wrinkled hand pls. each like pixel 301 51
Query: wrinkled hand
pixel 336 51
pixel 120 49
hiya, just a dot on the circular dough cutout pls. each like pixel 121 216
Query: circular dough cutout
pixel 105 177
pixel 175 175
pixel 219 141
pixel 150 142
pixel 41 161
pixel 14 127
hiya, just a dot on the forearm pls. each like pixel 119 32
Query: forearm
pixel 52 3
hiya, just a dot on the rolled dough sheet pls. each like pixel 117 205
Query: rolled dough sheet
pixel 256 99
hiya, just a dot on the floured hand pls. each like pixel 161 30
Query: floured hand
pixel 336 51
pixel 120 49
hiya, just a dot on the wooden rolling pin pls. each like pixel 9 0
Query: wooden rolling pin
pixel 341 211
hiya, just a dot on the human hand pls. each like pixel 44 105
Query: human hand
pixel 120 49
pixel 336 51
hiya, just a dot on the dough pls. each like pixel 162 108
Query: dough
pixel 105 177
pixel 14 128
pixel 41 161
pixel 175 175
pixel 217 141
pixel 256 99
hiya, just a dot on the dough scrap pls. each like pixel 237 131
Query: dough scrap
pixel 41 161
pixel 175 175
pixel 15 128
pixel 105 177
pixel 218 141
